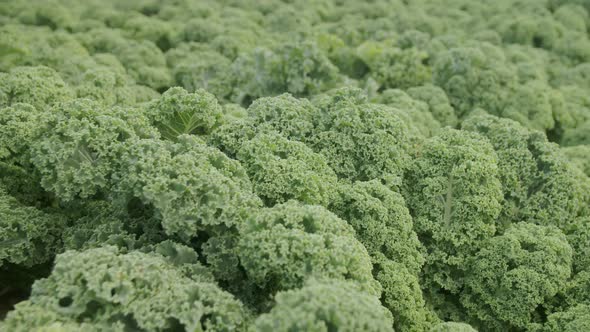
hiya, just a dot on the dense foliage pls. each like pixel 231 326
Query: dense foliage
pixel 291 165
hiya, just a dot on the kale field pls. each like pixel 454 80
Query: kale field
pixel 295 165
